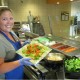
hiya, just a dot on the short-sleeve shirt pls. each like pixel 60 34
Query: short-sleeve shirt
pixel 7 51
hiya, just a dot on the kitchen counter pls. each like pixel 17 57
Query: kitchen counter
pixel 46 71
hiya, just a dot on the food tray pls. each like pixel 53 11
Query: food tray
pixel 70 49
pixel 35 50
pixel 43 39
pixel 72 67
pixel 56 45
pixel 63 47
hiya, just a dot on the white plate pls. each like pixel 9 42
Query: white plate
pixel 46 51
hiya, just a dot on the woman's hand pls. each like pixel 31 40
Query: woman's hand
pixel 25 61
pixel 26 42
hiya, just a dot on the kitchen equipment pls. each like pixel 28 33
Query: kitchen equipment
pixel 43 71
pixel 54 58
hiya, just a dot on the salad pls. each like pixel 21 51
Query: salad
pixel 34 50
pixel 72 64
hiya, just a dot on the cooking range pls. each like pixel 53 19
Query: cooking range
pixel 44 70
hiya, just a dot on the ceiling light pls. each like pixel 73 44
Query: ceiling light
pixel 58 3
pixel 71 0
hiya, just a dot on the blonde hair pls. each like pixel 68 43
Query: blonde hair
pixel 5 9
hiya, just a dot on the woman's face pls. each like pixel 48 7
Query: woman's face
pixel 6 21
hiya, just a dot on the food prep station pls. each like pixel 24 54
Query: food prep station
pixel 44 70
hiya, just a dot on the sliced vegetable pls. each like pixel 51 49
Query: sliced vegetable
pixel 34 50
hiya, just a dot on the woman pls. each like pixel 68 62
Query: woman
pixel 11 64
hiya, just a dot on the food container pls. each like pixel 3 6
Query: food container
pixel 72 67
pixel 43 39
pixel 70 49
pixel 56 45
pixel 52 58
pixel 63 47
pixel 50 43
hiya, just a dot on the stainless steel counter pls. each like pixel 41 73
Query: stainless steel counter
pixel 32 35
pixel 69 42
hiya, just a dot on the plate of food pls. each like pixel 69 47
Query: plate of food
pixel 35 50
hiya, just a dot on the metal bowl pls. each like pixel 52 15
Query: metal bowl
pixel 54 57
